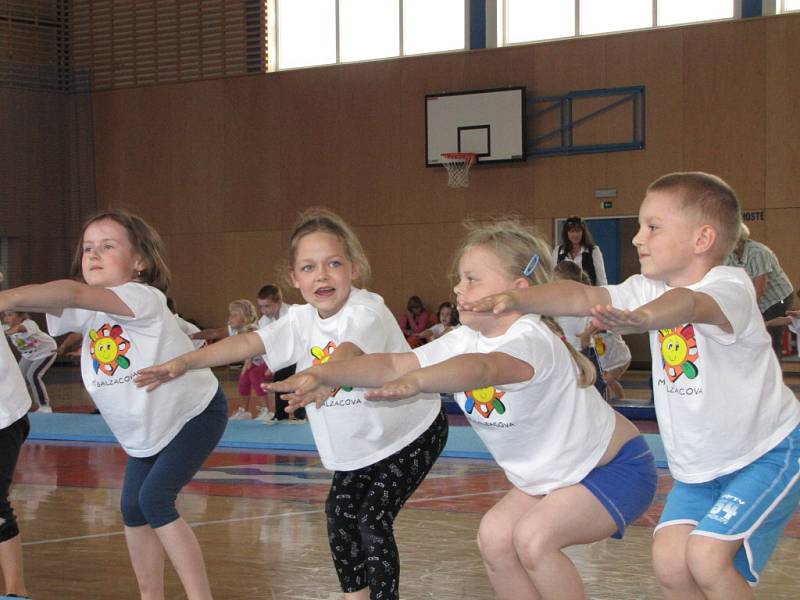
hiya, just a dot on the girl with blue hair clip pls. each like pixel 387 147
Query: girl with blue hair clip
pixel 579 471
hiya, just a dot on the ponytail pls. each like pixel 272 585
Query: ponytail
pixel 586 371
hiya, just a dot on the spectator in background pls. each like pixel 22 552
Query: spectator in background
pixel 774 292
pixel 448 319
pixel 578 246
pixel 414 321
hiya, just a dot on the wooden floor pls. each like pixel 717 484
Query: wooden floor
pixel 259 518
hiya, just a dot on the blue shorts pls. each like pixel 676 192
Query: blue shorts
pixel 753 504
pixel 625 486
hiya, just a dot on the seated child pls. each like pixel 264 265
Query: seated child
pixel 448 319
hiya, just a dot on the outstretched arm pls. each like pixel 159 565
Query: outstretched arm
pixel 679 305
pixel 367 370
pixel 55 296
pixel 307 387
pixel 231 349
pixel 463 372
pixel 559 298
pixel 18 328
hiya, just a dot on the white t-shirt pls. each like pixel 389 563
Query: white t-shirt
pixel 190 329
pixel 264 320
pixel 573 327
pixel 33 343
pixel 720 398
pixel 546 433
pixel 14 398
pixel 612 351
pixel 114 347
pixel 350 432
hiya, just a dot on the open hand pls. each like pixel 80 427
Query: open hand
pixel 618 320
pixel 496 303
pixel 300 390
pixel 154 376
pixel 402 387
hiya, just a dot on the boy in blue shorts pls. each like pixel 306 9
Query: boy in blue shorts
pixel 728 423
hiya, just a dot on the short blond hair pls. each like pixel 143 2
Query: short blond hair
pixel 516 245
pixel 711 198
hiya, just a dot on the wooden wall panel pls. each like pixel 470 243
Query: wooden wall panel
pixel 233 160
pixel 724 112
pixel 252 151
pixel 211 270
pixel 783 127
pixel 655 61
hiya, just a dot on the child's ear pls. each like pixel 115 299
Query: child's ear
pixel 705 239
pixel 355 273
pixel 521 282
pixel 139 265
pixel 295 283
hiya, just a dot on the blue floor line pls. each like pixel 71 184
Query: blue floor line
pixel 462 442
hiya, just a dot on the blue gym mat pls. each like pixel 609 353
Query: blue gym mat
pixel 462 441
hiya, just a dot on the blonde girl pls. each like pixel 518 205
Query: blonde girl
pixel 379 453
pixel 579 471
pixel 120 308
pixel 242 319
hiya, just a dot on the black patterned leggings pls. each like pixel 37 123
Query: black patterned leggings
pixel 361 508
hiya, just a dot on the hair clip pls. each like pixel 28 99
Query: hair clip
pixel 531 266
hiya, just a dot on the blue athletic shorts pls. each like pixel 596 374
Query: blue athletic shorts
pixel 753 504
pixel 625 486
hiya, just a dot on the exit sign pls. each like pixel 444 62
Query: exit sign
pixel 607 204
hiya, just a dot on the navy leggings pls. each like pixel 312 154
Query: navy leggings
pixel 152 483
pixel 11 439
pixel 361 508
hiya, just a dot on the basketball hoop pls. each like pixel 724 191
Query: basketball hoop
pixel 457 165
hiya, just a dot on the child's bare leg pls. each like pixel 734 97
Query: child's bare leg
pixel 711 564
pixel 11 566
pixel 185 555
pixel 252 403
pixel 270 399
pixel 362 594
pixel 147 558
pixel 613 377
pixel 616 391
pixel 669 563
pixel 496 541
pixel 568 516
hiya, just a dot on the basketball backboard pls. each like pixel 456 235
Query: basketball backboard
pixel 490 123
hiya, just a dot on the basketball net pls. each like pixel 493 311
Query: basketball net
pixel 458 165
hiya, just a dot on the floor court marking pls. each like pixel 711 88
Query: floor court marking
pixel 255 518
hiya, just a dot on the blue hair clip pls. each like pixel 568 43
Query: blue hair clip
pixel 531 266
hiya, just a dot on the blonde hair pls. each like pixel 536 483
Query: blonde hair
pixel 145 241
pixel 247 309
pixel 712 199
pixel 322 220
pixel 515 244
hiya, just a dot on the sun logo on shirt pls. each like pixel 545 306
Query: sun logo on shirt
pixel 108 349
pixel 599 345
pixel 485 400
pixel 323 355
pixel 679 352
